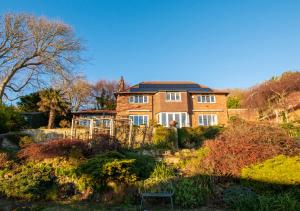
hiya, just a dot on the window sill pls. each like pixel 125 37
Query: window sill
pixel 207 103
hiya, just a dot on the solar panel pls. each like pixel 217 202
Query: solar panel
pixel 169 87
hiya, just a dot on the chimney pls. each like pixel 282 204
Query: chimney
pixel 121 85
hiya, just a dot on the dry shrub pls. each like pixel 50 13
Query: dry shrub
pixel 4 158
pixel 54 148
pixel 69 148
pixel 244 143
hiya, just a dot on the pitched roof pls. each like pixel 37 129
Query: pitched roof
pixel 155 86
pixel 95 112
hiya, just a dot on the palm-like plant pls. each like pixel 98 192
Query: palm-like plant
pixel 52 101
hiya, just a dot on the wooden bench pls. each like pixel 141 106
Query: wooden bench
pixel 161 190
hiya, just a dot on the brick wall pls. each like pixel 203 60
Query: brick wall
pixel 157 103
pixel 124 108
pixel 161 105
pixel 219 108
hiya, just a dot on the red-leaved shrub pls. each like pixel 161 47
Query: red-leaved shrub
pixel 244 143
pixel 54 148
pixel 69 148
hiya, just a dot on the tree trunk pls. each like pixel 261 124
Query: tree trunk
pixel 1 92
pixel 51 119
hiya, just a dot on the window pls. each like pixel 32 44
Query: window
pixel 84 122
pixel 138 99
pixel 102 123
pixel 164 118
pixel 208 119
pixel 139 119
pixel 173 96
pixel 206 98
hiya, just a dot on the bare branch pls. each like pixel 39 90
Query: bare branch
pixel 35 44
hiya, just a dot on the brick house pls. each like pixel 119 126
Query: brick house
pixel 188 103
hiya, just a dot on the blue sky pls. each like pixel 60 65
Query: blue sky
pixel 221 44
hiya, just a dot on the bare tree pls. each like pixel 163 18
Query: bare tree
pixel 272 96
pixel 78 91
pixel 32 50
pixel 103 92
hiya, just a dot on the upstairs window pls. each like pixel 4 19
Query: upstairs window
pixel 139 119
pixel 208 119
pixel 138 99
pixel 206 98
pixel 164 118
pixel 173 96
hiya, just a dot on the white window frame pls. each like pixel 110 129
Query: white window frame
pixel 180 123
pixel 132 117
pixel 177 96
pixel 138 99
pixel 212 117
pixel 203 99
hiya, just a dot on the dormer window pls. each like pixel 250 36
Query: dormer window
pixel 173 96
pixel 206 98
pixel 138 99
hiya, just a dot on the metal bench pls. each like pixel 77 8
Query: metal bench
pixel 161 190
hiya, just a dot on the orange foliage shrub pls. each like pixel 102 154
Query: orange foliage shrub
pixel 54 148
pixel 243 144
pixel 69 148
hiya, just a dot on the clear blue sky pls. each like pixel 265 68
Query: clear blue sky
pixel 217 43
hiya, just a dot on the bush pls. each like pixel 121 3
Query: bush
pixel 280 170
pixel 25 141
pixel 192 137
pixel 234 102
pixel 67 182
pixel 164 138
pixel 143 165
pixel 64 123
pixel 193 192
pixel 241 198
pixel 291 129
pixel 27 181
pixel 49 179
pixel 212 132
pixel 193 165
pixel 108 167
pixel 11 120
pixel 160 179
pixel 55 148
pixel 243 144
pixel 162 172
pixel 278 202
